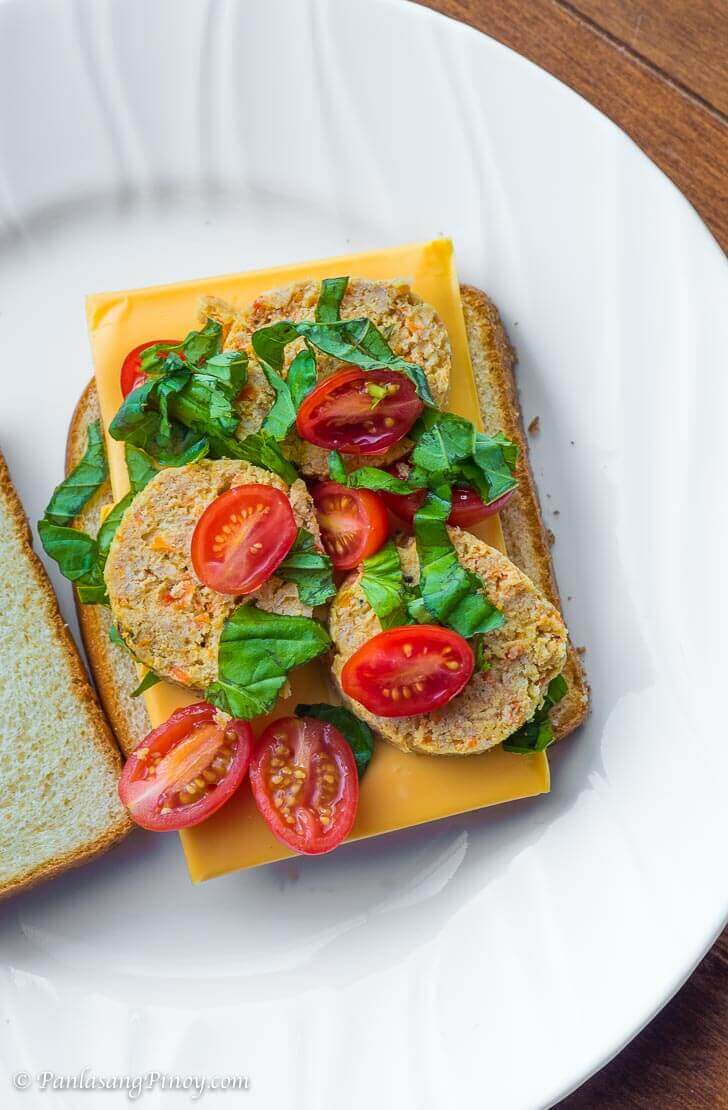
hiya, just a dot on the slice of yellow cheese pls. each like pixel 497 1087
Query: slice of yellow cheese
pixel 398 790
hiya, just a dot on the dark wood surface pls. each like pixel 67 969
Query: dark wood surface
pixel 659 69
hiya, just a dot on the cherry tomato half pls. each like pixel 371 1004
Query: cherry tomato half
pixel 406 671
pixel 241 538
pixel 305 784
pixel 353 523
pixel 185 769
pixel 359 412
pixel 131 368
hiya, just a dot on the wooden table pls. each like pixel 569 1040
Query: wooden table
pixel 659 69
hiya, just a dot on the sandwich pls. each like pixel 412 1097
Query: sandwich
pixel 300 494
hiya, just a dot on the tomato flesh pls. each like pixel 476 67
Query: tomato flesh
pixel 353 523
pixel 360 412
pixel 185 769
pixel 406 671
pixel 131 368
pixel 305 784
pixel 467 505
pixel 241 537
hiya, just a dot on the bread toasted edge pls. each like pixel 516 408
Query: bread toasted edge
pixel 526 536
pixel 103 736
pixel 110 672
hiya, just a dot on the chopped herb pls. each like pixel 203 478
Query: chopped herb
pixel 357 733
pixel 449 448
pixel 310 569
pixel 85 479
pixel 257 650
pixel 150 679
pixel 451 594
pixel 384 587
pixel 332 292
pixel 538 733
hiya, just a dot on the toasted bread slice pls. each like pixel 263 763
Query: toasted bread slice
pixel 59 764
pixel 114 670
pixel 526 537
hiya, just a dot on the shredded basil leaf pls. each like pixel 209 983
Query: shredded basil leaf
pixel 360 343
pixel 150 679
pixel 332 292
pixel 186 408
pixel 449 448
pixel 301 376
pixel 337 470
pixel 451 593
pixel 310 569
pixel 384 588
pixel 74 551
pixel 357 733
pixel 282 414
pixel 261 450
pixel 538 733
pixel 257 650
pixel 140 467
pixel 85 479
pixel 116 637
pixel 371 477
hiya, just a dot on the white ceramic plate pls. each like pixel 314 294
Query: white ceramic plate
pixel 497 958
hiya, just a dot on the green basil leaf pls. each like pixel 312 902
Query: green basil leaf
pixel 199 346
pixel 301 376
pixel 384 588
pixel 360 343
pixel 85 479
pixel 481 659
pixel 257 650
pixel 310 569
pixel 107 531
pixel 139 466
pixel 496 457
pixel 371 477
pixel 270 343
pixel 150 679
pixel 538 733
pixel 93 590
pixel 230 368
pixel 116 638
pixel 337 470
pixel 357 733
pixel 282 414
pixel 442 442
pixel 449 448
pixel 332 292
pixel 74 551
pixel 450 592
pixel 261 450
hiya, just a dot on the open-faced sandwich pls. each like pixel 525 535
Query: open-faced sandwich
pixel 294 483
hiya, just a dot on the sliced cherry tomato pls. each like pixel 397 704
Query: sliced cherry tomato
pixel 131 368
pixel 185 769
pixel 242 537
pixel 467 506
pixel 353 523
pixel 305 783
pixel 359 412
pixel 406 671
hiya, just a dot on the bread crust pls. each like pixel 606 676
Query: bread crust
pixel 83 691
pixel 527 539
pixel 128 720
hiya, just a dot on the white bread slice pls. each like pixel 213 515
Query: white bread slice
pixel 59 764
pixel 526 537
